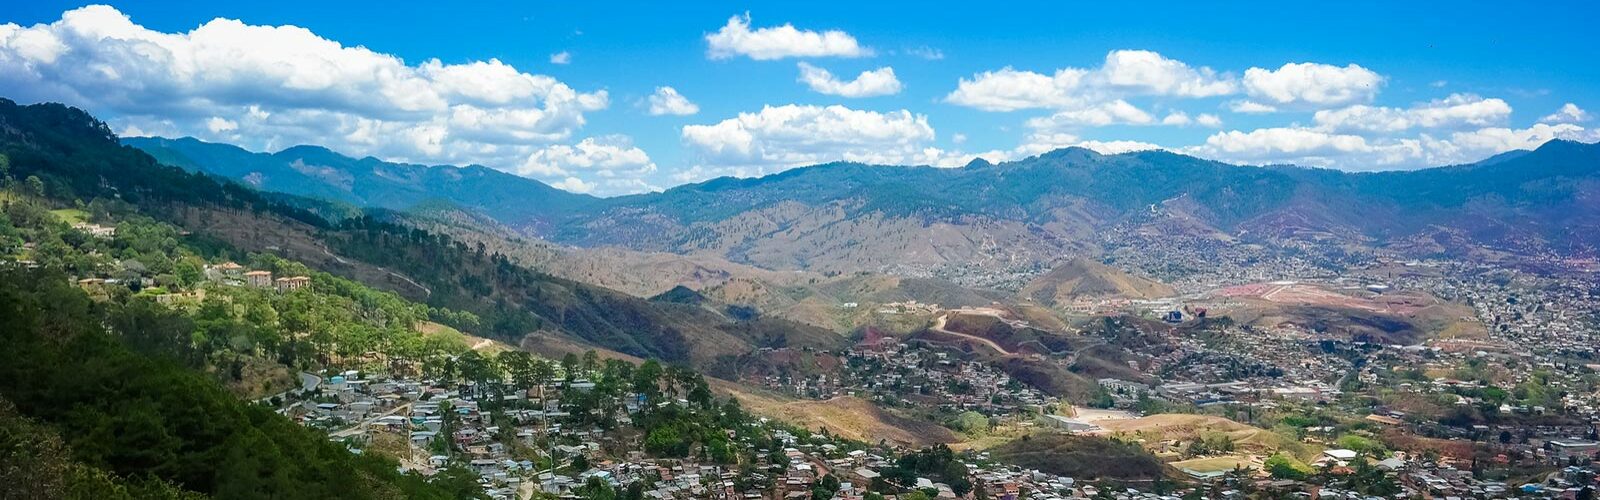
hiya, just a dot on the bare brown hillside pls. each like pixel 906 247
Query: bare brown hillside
pixel 1081 278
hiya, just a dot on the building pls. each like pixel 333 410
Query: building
pixel 96 230
pixel 261 279
pixel 292 283
pixel 1068 424
pixel 1566 448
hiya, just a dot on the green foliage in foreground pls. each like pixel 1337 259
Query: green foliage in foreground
pixel 151 421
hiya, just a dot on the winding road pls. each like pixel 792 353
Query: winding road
pixel 1069 360
pixel 308 382
pixel 425 290
pixel 938 326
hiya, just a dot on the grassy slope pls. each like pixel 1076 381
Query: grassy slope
pixel 1081 457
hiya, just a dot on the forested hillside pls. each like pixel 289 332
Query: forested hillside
pixel 77 158
pixel 121 397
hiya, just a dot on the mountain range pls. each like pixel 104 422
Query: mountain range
pixel 1035 212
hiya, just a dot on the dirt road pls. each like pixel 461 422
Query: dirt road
pixel 938 326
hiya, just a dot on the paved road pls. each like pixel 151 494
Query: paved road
pixel 308 383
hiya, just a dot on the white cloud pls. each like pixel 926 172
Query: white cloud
pixel 1488 141
pixel 667 101
pixel 1313 147
pixel 780 137
pixel 1270 144
pixel 762 44
pixel 878 82
pixel 608 156
pixel 1569 113
pixel 220 125
pixel 958 138
pixel 270 87
pixel 1312 84
pixel 1181 119
pixel 1250 107
pixel 562 57
pixel 1117 147
pixel 573 184
pixel 1117 112
pixel 926 52
pixel 1008 89
pixel 1125 72
pixel 1147 72
pixel 1455 111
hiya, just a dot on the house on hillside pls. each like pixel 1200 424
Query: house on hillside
pixel 261 279
pixel 292 283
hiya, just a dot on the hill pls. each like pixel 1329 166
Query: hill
pixel 1081 278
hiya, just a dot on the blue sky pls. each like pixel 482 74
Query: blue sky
pixel 1369 86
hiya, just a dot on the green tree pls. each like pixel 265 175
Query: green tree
pixel 1283 466
pixel 35 185
pixel 520 365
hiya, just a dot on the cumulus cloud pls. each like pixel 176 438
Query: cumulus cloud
pixel 608 156
pixel 1250 107
pixel 1182 119
pixel 1009 89
pixel 1272 144
pixel 1147 72
pixel 878 82
pixel 667 101
pixel 562 57
pixel 1117 112
pixel 1313 147
pixel 1124 72
pixel 779 137
pixel 1312 84
pixel 1569 113
pixel 762 44
pixel 1455 111
pixel 573 184
pixel 269 87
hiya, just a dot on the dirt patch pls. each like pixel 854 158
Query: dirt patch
pixel 1181 427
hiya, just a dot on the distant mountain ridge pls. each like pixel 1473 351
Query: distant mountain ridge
pixel 848 217
pixel 317 172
